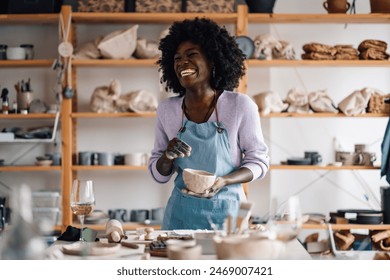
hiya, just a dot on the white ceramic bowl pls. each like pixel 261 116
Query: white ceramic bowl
pixel 244 247
pixel 198 180
pixel 16 53
pixel 45 162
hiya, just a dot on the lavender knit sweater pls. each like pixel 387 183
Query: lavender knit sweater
pixel 239 115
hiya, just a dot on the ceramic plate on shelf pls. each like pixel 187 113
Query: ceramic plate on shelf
pixel 246 45
pixel 90 248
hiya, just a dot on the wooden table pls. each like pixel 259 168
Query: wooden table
pixel 294 250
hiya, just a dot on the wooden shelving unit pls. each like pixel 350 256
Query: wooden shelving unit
pixel 25 19
pixel 151 18
pixel 87 115
pixel 23 168
pixel 114 167
pixel 319 18
pixel 240 20
pixel 29 116
pixel 317 63
pixel 325 167
pixel 114 63
pixel 26 63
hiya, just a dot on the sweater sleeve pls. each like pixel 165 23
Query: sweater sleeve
pixel 250 138
pixel 160 144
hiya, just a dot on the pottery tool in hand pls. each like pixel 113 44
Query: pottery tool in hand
pixel 243 216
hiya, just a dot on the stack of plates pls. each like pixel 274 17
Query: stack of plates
pixel 361 216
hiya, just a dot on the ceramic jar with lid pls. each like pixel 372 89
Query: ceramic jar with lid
pixel 29 50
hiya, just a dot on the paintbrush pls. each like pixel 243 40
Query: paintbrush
pixel 243 216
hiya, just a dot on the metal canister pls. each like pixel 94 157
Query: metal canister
pixel 3 52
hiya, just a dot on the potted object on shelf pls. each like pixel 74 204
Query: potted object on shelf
pixel 380 6
pixel 263 6
pixel 336 6
pixel 24 95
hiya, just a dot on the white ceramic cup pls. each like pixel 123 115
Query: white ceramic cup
pixel 135 159
pixel 16 53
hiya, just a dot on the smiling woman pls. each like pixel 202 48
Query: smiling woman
pixel 207 127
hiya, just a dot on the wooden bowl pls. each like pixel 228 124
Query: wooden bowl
pixel 198 181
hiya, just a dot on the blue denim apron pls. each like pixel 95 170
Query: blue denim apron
pixel 210 152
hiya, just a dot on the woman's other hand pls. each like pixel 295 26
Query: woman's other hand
pixel 177 148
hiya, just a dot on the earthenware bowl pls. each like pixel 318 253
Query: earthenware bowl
pixel 198 181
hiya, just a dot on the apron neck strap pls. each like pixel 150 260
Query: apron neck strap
pixel 212 105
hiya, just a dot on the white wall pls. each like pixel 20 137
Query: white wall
pixel 286 137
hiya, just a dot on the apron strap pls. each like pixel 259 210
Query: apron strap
pixel 213 105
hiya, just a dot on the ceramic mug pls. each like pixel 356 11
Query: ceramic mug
pixel 16 53
pixel 85 158
pixel 139 215
pixel 314 156
pixel 336 6
pixel 106 159
pixel 157 214
pixel 118 214
pixel 135 159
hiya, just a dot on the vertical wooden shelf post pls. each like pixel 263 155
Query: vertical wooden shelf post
pixel 66 134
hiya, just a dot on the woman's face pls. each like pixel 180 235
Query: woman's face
pixel 192 67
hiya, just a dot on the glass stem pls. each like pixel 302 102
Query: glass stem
pixel 81 219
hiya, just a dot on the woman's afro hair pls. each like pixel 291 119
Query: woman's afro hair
pixel 218 46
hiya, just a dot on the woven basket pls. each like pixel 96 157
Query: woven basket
pixel 377 104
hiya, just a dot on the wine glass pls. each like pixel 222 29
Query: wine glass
pixel 285 220
pixel 82 201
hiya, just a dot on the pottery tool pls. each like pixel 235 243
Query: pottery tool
pixel 129 245
pixel 229 229
pixel 243 216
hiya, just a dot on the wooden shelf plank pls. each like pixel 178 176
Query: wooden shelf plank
pixel 319 18
pixel 318 63
pixel 29 18
pixel 102 167
pixel 152 18
pixel 251 62
pixel 115 63
pixel 112 115
pixel 22 168
pixel 347 226
pixel 28 116
pixel 323 115
pixel 26 63
pixel 325 167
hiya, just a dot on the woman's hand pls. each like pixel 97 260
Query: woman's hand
pixel 177 148
pixel 218 184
